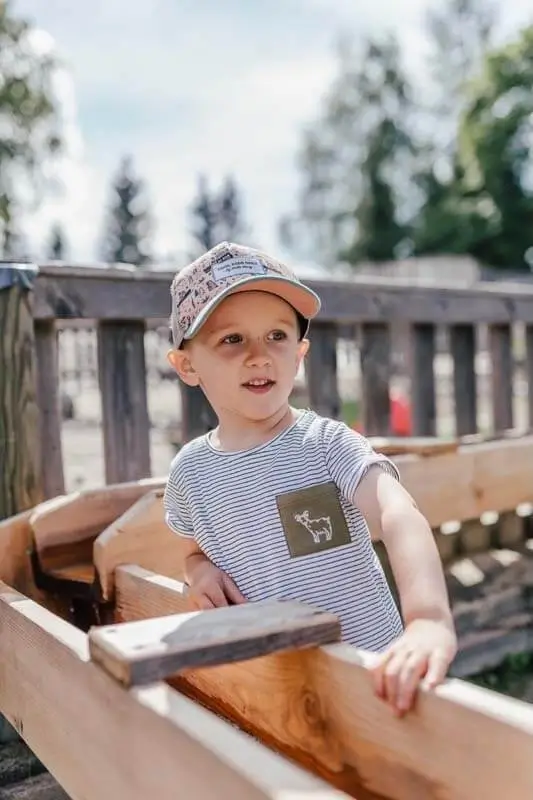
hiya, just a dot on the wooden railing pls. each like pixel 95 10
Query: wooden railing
pixel 399 330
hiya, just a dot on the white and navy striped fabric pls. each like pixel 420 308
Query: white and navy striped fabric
pixel 227 501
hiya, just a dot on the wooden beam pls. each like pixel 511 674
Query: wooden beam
pixel 82 515
pixel 100 740
pixel 139 536
pixel 318 707
pixel 20 451
pixel 491 476
pixel 122 294
pixel 152 649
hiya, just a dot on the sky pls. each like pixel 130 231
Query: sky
pixel 197 86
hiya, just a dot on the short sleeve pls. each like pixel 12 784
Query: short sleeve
pixel 349 455
pixel 177 513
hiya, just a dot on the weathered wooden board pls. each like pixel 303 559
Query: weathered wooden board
pixel 138 536
pixel 318 707
pixel 122 294
pixel 82 515
pixel 100 740
pixel 153 649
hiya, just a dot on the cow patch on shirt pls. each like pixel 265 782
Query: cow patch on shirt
pixel 313 519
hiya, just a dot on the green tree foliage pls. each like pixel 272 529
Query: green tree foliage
pixel 128 226
pixel 353 160
pixel 216 216
pixel 495 149
pixel 29 121
pixel 440 164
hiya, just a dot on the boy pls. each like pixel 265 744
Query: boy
pixel 281 503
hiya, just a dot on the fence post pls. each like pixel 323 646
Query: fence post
pixel 20 465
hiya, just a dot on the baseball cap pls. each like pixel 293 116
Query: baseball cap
pixel 228 268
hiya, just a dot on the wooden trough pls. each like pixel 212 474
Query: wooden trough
pixel 122 692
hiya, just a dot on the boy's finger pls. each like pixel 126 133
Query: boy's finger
pixel 409 679
pixel 437 669
pixel 232 591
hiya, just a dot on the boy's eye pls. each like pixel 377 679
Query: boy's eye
pixel 278 335
pixel 232 338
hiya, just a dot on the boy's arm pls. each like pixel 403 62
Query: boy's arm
pixel 209 586
pixel 429 643
pixel 392 514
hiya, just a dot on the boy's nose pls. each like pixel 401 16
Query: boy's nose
pixel 258 356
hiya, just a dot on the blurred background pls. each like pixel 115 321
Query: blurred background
pixel 352 139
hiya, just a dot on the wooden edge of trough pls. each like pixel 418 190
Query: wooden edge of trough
pixel 317 706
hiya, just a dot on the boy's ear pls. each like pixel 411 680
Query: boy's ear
pixel 303 349
pixel 180 361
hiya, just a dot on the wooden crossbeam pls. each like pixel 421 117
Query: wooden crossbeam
pixel 318 707
pixel 144 651
pixel 100 740
pixel 138 536
pixel 477 478
pixel 82 515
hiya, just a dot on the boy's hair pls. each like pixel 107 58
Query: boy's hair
pixel 226 269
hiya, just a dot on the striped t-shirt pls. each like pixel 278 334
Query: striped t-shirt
pixel 278 519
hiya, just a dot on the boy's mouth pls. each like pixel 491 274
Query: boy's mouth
pixel 259 385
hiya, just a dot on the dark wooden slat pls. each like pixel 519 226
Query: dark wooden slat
pixel 20 457
pixel 122 379
pixel 197 415
pixel 375 375
pixel 122 294
pixel 322 371
pixel 463 352
pixel 529 372
pixel 53 480
pixel 153 649
pixel 500 344
pixel 423 380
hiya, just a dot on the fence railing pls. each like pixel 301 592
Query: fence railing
pixel 476 340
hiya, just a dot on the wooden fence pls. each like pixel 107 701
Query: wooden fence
pixel 393 323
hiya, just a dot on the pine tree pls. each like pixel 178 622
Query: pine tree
pixel 129 225
pixel 56 249
pixel 216 216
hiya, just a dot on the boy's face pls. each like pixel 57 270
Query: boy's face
pixel 245 357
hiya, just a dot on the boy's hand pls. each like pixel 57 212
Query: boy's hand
pixel 421 655
pixel 210 587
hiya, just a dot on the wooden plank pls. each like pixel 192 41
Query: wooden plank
pixel 122 381
pixel 375 355
pixel 20 454
pixel 416 445
pixel 491 476
pixel 48 384
pixel 139 536
pixel 500 343
pixel 121 294
pixel 197 415
pixel 463 353
pixel 100 740
pixel 84 514
pixel 321 371
pixel 423 379
pixel 318 706
pixel 529 372
pixel 153 649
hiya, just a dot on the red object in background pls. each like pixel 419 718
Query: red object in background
pixel 401 419
pixel 400 412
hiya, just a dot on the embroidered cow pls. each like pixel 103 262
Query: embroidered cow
pixel 319 527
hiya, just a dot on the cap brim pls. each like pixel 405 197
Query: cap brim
pixel 300 297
